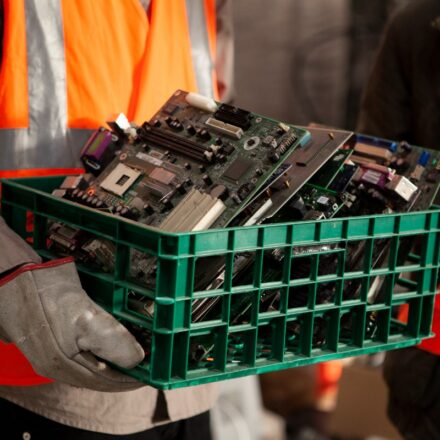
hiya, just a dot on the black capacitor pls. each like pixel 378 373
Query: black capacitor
pixel 219 141
pixel 148 209
pixel 191 130
pixel 207 179
pixel 188 182
pixel 125 212
pixel 157 123
pixel 204 134
pixel 167 204
pixel 222 158
pixel 181 188
pixel 405 146
pixel 274 157
pixel 202 168
pixel 187 165
pixel 259 172
pixel 134 213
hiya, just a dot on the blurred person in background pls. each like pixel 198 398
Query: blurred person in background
pixel 402 102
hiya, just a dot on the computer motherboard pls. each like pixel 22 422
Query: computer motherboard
pixel 198 164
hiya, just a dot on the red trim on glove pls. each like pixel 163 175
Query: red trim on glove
pixel 28 267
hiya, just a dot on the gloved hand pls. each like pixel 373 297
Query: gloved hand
pixel 46 313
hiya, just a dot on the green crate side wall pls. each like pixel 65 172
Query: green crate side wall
pixel 177 253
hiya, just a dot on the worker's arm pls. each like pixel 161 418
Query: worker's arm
pixel 14 252
pixel 45 312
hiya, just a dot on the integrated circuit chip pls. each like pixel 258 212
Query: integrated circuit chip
pixel 162 175
pixel 237 169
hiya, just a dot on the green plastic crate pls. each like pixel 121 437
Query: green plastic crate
pixel 172 331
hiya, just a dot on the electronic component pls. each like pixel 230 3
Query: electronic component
pixel 120 180
pixel 225 128
pixel 220 192
pixel 162 175
pixel 373 177
pixel 65 238
pixel 372 151
pixel 417 173
pixel 251 143
pixel 238 169
pixel 101 252
pixel 201 102
pixel 74 182
pixel 195 212
pixel 234 116
pixel 99 150
pixel 403 187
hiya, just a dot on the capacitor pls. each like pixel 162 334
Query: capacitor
pixel 148 209
pixel 181 188
pixel 219 141
pixel 157 123
pixel 274 157
pixel 167 204
pixel 134 213
pixel 187 165
pixel 202 168
pixel 191 130
pixel 424 158
pixel 207 179
pixel 405 146
pixel 259 172
pixel 204 134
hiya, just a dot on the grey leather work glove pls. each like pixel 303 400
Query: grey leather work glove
pixel 48 316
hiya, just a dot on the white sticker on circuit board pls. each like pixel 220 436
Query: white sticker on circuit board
pixel 150 159
pixel 120 180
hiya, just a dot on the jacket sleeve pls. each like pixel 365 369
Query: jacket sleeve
pixel 1 30
pixel 385 108
pixel 14 251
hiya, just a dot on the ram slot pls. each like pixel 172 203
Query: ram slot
pixel 172 142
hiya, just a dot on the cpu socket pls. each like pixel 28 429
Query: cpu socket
pixel 120 180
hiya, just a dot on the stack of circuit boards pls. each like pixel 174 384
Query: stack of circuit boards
pixel 198 164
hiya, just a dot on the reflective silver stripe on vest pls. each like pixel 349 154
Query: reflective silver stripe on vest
pixel 200 51
pixel 47 143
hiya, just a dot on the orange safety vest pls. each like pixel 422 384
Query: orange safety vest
pixel 68 64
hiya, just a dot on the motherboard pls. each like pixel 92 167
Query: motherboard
pixel 194 165
pixel 199 164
